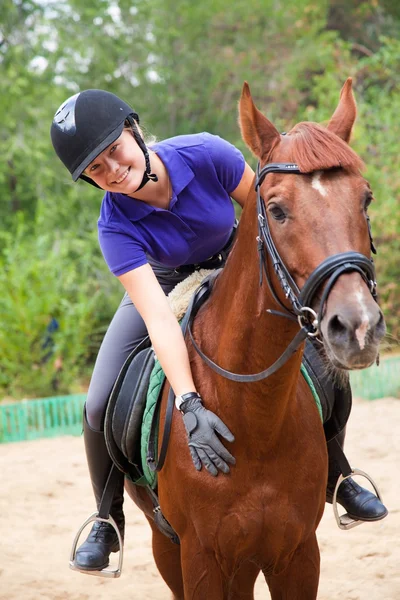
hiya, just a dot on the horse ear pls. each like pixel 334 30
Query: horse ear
pixel 258 132
pixel 343 118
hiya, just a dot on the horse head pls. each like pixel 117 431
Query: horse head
pixel 316 216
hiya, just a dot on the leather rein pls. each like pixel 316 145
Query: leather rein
pixel 301 301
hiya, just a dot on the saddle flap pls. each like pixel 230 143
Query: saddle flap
pixel 130 404
pixel 113 412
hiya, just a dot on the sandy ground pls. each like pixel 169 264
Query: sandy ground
pixel 46 495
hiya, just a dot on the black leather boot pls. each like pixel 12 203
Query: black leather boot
pixel 93 554
pixel 359 503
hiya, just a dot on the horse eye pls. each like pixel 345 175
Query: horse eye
pixel 368 199
pixel 277 213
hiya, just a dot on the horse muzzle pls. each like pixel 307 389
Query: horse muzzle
pixel 353 325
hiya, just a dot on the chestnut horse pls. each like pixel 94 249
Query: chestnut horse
pixel 263 515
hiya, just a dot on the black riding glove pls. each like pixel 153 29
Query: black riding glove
pixel 205 447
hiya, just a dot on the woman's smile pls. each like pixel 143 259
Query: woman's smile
pixel 123 177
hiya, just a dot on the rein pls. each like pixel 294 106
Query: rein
pixel 330 269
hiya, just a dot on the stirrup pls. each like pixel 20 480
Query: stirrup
pixel 106 572
pixel 345 521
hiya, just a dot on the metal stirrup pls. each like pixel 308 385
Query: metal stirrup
pixel 104 572
pixel 103 516
pixel 345 521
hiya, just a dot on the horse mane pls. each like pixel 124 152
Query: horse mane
pixel 315 148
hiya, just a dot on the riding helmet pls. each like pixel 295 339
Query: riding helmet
pixel 86 124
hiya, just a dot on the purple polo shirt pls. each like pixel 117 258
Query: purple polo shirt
pixel 204 169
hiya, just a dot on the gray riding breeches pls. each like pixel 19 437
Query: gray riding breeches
pixel 126 330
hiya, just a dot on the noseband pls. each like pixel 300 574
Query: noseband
pixel 301 301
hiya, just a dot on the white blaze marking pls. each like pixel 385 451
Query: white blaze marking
pixel 317 185
pixel 361 331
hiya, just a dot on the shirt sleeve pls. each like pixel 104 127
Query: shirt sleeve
pixel 228 161
pixel 121 252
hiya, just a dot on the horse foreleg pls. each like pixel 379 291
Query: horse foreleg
pixel 242 586
pixel 168 560
pixel 299 581
pixel 202 576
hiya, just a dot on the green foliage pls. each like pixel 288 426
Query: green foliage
pixel 45 277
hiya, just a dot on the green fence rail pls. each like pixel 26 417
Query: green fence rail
pixel 62 415
pixel 45 417
pixel 377 382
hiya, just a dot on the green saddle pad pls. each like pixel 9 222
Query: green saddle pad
pixel 156 383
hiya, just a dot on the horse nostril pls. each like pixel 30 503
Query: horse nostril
pixel 336 327
pixel 380 327
pixel 381 322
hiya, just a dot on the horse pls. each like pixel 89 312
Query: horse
pixel 312 201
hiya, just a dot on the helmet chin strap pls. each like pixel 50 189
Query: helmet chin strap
pixel 146 178
pixel 147 175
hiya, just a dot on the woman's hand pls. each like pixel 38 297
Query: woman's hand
pixel 202 425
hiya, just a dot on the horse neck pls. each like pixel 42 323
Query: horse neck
pixel 235 330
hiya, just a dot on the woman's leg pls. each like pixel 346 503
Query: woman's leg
pixel 126 330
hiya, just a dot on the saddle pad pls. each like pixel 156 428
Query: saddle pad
pixel 311 385
pixel 156 383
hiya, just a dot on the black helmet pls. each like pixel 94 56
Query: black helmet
pixel 86 124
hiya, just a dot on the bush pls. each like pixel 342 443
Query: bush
pixel 57 300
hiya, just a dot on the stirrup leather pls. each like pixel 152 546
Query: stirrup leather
pixel 345 521
pixel 106 572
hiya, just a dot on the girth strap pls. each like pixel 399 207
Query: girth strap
pixel 153 464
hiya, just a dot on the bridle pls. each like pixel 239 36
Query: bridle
pixel 330 269
pixel 301 300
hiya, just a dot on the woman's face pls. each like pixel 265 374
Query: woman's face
pixel 120 167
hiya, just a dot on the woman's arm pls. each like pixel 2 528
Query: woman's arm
pixel 241 192
pixel 202 425
pixel 163 328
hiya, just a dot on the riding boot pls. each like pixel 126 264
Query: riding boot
pixel 93 554
pixel 359 503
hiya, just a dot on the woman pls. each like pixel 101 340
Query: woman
pixel 166 211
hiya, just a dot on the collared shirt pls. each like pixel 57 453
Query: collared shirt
pixel 204 169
